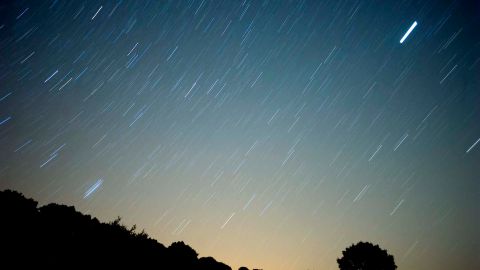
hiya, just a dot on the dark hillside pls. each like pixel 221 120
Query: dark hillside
pixel 58 236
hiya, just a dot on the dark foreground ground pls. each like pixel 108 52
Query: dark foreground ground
pixel 57 236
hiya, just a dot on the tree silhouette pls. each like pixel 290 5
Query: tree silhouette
pixel 183 254
pixel 209 263
pixel 366 256
pixel 58 237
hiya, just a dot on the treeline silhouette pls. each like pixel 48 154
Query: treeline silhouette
pixel 57 236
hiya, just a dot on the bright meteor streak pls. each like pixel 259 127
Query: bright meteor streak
pixel 408 32
pixel 93 188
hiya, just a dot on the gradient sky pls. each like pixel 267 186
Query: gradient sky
pixel 269 134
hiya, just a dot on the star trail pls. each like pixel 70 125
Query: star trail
pixel 408 32
pixel 267 134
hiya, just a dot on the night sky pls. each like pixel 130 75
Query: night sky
pixel 267 134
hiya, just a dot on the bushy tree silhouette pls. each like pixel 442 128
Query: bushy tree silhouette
pixel 209 263
pixel 182 253
pixel 57 236
pixel 366 256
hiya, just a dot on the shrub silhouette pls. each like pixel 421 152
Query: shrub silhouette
pixel 366 256
pixel 209 263
pixel 182 253
pixel 57 236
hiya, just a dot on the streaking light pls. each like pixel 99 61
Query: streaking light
pixel 473 145
pixel 408 32
pixel 93 188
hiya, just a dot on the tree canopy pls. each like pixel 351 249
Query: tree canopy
pixel 366 256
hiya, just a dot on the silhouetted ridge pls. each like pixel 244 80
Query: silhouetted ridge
pixel 57 236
